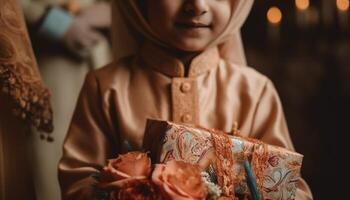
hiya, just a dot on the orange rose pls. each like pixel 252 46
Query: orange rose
pixel 138 190
pixel 180 180
pixel 125 168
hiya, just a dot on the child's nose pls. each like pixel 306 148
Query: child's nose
pixel 196 7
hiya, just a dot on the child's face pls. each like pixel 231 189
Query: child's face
pixel 188 25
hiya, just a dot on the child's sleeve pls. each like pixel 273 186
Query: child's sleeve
pixel 270 126
pixel 89 143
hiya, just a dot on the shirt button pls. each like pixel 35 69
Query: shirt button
pixel 185 87
pixel 186 118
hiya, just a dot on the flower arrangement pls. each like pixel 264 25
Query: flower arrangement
pixel 132 176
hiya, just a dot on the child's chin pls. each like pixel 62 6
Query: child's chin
pixel 191 46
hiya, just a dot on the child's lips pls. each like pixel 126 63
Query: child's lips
pixel 192 25
pixel 193 29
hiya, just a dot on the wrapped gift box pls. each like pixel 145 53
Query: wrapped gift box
pixel 278 171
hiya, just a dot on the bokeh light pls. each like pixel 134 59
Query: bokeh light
pixel 274 15
pixel 343 5
pixel 302 4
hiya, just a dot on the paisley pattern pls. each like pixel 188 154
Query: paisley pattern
pixel 281 172
pixel 19 75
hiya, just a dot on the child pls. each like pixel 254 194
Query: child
pixel 184 62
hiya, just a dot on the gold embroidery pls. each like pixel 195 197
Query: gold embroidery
pixel 260 157
pixel 19 75
pixel 224 162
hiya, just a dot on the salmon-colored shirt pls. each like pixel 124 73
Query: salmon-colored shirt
pixel 116 100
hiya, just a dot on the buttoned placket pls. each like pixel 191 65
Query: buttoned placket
pixel 184 89
pixel 184 100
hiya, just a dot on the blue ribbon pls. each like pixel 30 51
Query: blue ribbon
pixel 251 181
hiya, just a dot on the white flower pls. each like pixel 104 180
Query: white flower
pixel 214 190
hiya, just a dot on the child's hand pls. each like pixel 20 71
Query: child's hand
pixel 83 34
pixel 81 37
pixel 207 159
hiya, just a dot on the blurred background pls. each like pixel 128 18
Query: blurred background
pixel 304 47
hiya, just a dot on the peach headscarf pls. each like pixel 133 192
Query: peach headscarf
pixel 128 24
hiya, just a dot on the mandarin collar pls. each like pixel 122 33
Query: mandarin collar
pixel 161 61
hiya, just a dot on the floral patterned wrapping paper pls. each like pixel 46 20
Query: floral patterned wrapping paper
pixel 191 144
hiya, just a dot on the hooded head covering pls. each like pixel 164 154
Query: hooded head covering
pixel 129 26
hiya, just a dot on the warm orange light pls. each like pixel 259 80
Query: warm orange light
pixel 302 4
pixel 274 15
pixel 343 5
